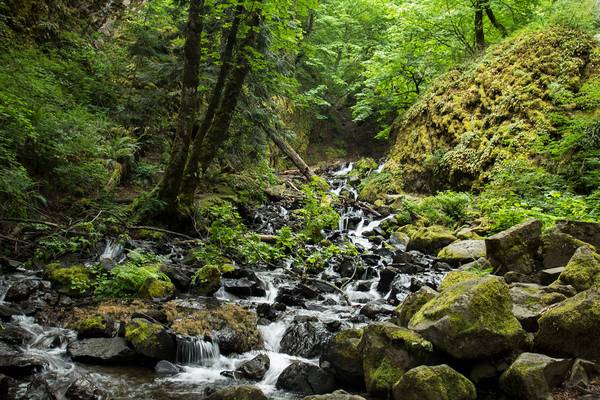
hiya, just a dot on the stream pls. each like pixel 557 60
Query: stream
pixel 202 364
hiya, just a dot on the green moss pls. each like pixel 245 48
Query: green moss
pixel 207 280
pixel 383 377
pixel 74 280
pixel 156 289
pixel 363 166
pixel 142 333
pixel 454 277
pixel 434 383
pixel 376 186
pixel 583 270
pixel 93 322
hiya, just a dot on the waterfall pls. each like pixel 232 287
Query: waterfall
pixel 195 351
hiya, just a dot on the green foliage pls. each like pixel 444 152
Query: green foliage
pixel 448 208
pixel 317 212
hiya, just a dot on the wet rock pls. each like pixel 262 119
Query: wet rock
pixel 296 296
pixel 588 232
pixel 337 395
pixel 305 337
pixel 84 389
pixel 150 339
pixel 412 304
pixel 375 310
pixel 583 269
pixel 101 351
pixel 269 311
pixel 6 383
pixel 434 383
pixel 156 289
pixel 301 377
pixel 530 301
pixel 39 389
pixel 399 240
pixel 388 351
pixel 180 274
pixel 14 334
pixel 533 376
pixel 95 326
pixel 238 393
pixel 243 283
pixel 164 367
pixel 23 289
pixel 342 358
pixel 471 319
pixel 515 249
pixel 571 328
pixel 206 281
pixel 429 240
pixel 64 279
pixel 256 368
pixel 386 276
pixel 558 248
pixel 463 251
pixel 8 310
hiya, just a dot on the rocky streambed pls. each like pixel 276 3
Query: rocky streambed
pixel 414 315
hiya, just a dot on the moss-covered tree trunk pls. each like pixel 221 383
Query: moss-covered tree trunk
pixel 218 132
pixel 192 170
pixel 170 184
pixel 479 32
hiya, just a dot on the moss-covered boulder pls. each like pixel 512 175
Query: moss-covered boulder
pixel 151 339
pixel 571 328
pixel 434 383
pixel 74 280
pixel 232 326
pixel 583 269
pixel 462 252
pixel 516 248
pixel 94 326
pixel 454 277
pixel 588 232
pixel 413 303
pixel 337 395
pixel 430 239
pixel 343 359
pixel 530 301
pixel 156 289
pixel 470 320
pixel 558 248
pixel 245 392
pixel 533 376
pixel 388 351
pixel 206 280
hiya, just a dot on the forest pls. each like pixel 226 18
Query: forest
pixel 300 200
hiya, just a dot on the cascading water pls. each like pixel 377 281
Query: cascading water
pixel 196 351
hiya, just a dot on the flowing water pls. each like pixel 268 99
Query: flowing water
pixel 201 361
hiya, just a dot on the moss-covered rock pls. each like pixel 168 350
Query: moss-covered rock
pixel 434 383
pixel 454 277
pixel 337 395
pixel 74 280
pixel 151 339
pixel 571 328
pixel 516 248
pixel 362 167
pixel 583 269
pixel 342 358
pixel 207 280
pixel 94 326
pixel 413 303
pixel 533 376
pixel 429 239
pixel 588 232
pixel 388 351
pixel 156 289
pixel 471 319
pixel 530 301
pixel 558 248
pixel 462 252
pixel 245 392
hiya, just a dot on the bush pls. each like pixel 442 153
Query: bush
pixel 448 208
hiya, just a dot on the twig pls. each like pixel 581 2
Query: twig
pixel 30 221
pixel 12 239
pixel 152 228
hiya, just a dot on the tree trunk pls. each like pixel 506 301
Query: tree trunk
pixel 171 181
pixel 192 172
pixel 494 21
pixel 479 33
pixel 218 132
pixel 291 153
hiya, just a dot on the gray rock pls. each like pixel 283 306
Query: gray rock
pixel 515 249
pixel 412 304
pixel 101 351
pixel 547 276
pixel 306 378
pixel 337 395
pixel 374 310
pixel 164 367
pixel 256 368
pixel 530 301
pixel 463 251
pixel 589 232
pixel 305 338
pixel 84 389
pixel 245 392
pixel 39 389
pixel 558 248
pixel 342 357
pixel 533 376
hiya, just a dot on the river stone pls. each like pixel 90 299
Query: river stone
pixel 337 395
pixel 151 339
pixel 463 251
pixel 206 280
pixel 302 377
pixel 386 276
pixel 244 392
pixel 571 328
pixel 95 326
pixel 387 352
pixel 84 389
pixel 374 310
pixel 305 337
pixel 439 382
pixel 530 301
pixel 429 240
pixel 412 304
pixel 7 311
pixel 101 351
pixel 589 232
pixel 21 290
pixel 558 248
pixel 16 364
pixel 583 269
pixel 342 358
pixel 256 368
pixel 243 282
pixel 533 376
pixel 515 249
pixel 15 334
pixel 471 320
pixel 39 389
pixel 180 274
pixel 164 367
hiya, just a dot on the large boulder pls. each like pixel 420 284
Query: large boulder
pixel 412 304
pixel 470 320
pixel 515 249
pixel 206 280
pixel 72 280
pixel 571 328
pixel 83 388
pixel 337 395
pixel 256 368
pixel 244 392
pixel 429 240
pixel 530 301
pixel 583 269
pixel 434 383
pixel 101 351
pixel 302 377
pixel 388 351
pixel 457 276
pixel 589 232
pixel 305 337
pixel 558 248
pixel 342 357
pixel 462 252
pixel 16 364
pixel 96 325
pixel 243 283
pixel 533 376
pixel 151 339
